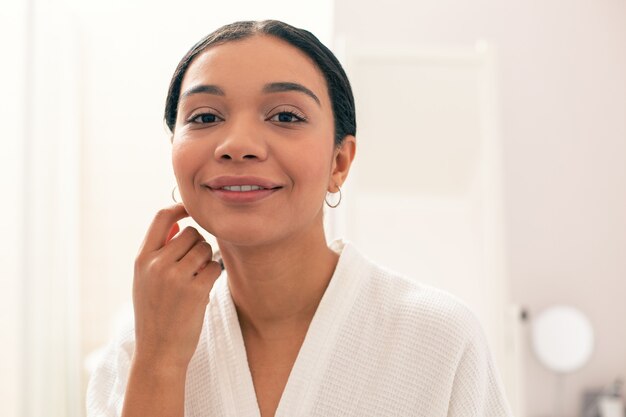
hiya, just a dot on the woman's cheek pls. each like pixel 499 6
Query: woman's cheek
pixel 186 155
pixel 317 170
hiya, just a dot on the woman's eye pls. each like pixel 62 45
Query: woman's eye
pixel 287 117
pixel 205 118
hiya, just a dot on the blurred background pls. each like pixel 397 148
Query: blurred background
pixel 491 162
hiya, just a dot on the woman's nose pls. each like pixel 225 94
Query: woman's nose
pixel 242 141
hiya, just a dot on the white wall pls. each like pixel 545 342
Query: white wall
pixel 13 42
pixel 562 91
pixel 46 215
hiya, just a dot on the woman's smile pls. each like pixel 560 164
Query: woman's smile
pixel 241 189
pixel 241 196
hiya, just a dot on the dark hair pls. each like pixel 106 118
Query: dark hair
pixel 337 82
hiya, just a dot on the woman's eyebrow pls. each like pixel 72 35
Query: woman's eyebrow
pixel 203 88
pixel 276 87
pixel 279 87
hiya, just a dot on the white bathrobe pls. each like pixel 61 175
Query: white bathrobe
pixel 379 344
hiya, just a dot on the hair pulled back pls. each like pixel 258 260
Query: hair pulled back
pixel 337 82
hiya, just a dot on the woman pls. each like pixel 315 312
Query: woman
pixel 263 127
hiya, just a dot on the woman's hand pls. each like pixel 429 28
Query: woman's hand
pixel 173 278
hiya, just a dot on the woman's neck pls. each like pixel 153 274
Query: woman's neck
pixel 276 288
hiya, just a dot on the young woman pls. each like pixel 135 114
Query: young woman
pixel 263 129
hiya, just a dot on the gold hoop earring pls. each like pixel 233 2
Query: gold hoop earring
pixel 330 205
pixel 173 196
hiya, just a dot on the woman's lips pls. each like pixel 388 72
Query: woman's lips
pixel 238 180
pixel 242 196
pixel 241 188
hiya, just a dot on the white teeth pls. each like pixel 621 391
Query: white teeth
pixel 242 187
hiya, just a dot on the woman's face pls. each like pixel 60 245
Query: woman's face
pixel 257 108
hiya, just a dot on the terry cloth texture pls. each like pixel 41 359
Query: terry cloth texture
pixel 379 344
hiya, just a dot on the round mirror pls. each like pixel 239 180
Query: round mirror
pixel 562 338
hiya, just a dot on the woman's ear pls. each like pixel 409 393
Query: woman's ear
pixel 342 160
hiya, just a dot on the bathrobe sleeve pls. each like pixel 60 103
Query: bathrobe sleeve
pixel 107 384
pixel 477 390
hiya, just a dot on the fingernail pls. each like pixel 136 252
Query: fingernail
pixel 175 229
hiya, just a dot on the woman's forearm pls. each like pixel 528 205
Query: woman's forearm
pixel 155 391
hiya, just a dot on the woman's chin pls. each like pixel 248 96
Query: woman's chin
pixel 243 235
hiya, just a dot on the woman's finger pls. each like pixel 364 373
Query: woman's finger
pixel 177 248
pixel 201 253
pixel 206 277
pixel 162 223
